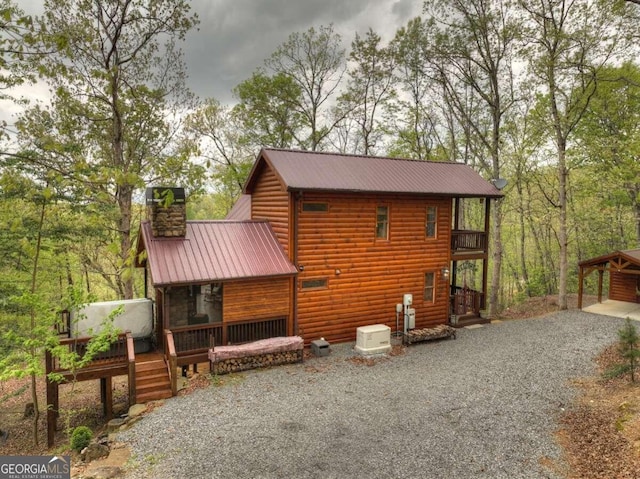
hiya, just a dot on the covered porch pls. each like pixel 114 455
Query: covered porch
pixel 623 279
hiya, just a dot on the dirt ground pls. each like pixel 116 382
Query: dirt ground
pixel 600 433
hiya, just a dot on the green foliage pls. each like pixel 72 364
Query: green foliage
pixel 266 110
pixel 110 126
pixel 629 349
pixel 81 438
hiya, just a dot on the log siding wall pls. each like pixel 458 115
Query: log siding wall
pixel 623 287
pixel 269 201
pixel 256 299
pixel 366 276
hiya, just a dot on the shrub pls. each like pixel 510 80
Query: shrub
pixel 80 438
pixel 629 349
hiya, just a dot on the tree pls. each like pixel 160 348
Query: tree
pixel 117 84
pixel 629 349
pixel 417 123
pixel 369 89
pixel 609 135
pixel 314 60
pixel 216 134
pixel 267 110
pixel 570 43
pixel 473 54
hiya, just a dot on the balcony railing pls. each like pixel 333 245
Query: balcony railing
pixel 467 241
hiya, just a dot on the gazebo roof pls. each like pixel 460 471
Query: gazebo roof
pixel 619 259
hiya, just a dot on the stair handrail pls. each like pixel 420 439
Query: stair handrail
pixel 131 358
pixel 172 360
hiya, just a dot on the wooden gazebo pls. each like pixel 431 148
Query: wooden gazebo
pixel 624 275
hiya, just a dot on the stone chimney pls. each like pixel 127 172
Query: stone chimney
pixel 167 211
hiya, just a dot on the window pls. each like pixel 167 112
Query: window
pixel 431 223
pixel 382 222
pixel 315 207
pixel 430 286
pixel 317 283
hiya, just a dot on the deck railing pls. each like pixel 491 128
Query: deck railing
pixel 467 301
pixel 244 332
pixel 190 340
pixel 463 240
pixel 118 354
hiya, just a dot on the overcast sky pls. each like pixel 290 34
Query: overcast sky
pixel 235 36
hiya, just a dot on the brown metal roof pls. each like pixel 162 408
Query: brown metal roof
pixel 215 251
pixel 241 209
pixel 305 170
pixel 631 255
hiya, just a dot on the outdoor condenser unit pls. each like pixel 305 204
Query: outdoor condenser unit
pixel 374 339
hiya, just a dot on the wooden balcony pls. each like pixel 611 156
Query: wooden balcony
pixel 112 362
pixel 471 244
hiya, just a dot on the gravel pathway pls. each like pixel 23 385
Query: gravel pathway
pixel 482 406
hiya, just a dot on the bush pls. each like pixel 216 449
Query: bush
pixel 80 438
pixel 629 349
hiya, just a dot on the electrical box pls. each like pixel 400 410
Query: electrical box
pixel 374 339
pixel 407 299
pixel 410 318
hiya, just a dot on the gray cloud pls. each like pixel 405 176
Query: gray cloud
pixel 235 36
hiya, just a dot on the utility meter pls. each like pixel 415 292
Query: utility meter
pixel 407 299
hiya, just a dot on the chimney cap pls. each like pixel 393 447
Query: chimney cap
pixel 158 194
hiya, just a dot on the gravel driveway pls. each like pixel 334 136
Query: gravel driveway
pixel 482 406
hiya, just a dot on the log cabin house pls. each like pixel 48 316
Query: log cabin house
pixel 318 245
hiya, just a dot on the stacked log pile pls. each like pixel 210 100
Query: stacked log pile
pixel 427 334
pixel 258 354
pixel 234 365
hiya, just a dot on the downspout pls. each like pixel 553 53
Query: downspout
pixel 294 259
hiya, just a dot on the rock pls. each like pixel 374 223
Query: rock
pixel 104 472
pixel 94 451
pixel 115 424
pixel 137 409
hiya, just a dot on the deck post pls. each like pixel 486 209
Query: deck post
pixel 106 395
pixel 131 359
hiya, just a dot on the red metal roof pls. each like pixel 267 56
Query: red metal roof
pixel 306 170
pixel 241 209
pixel 215 251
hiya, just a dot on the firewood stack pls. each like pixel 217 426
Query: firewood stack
pixel 233 365
pixel 427 334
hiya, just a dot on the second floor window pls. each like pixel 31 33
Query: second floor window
pixel 382 222
pixel 431 224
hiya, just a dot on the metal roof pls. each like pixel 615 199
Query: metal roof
pixel 215 251
pixel 241 209
pixel 630 255
pixel 306 170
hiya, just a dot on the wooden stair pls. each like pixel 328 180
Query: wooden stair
pixel 152 378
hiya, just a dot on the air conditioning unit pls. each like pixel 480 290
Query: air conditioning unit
pixel 374 339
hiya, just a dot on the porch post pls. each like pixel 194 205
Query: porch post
pixel 580 280
pixel 485 260
pixel 600 275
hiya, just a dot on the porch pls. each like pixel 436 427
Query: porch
pixel 466 306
